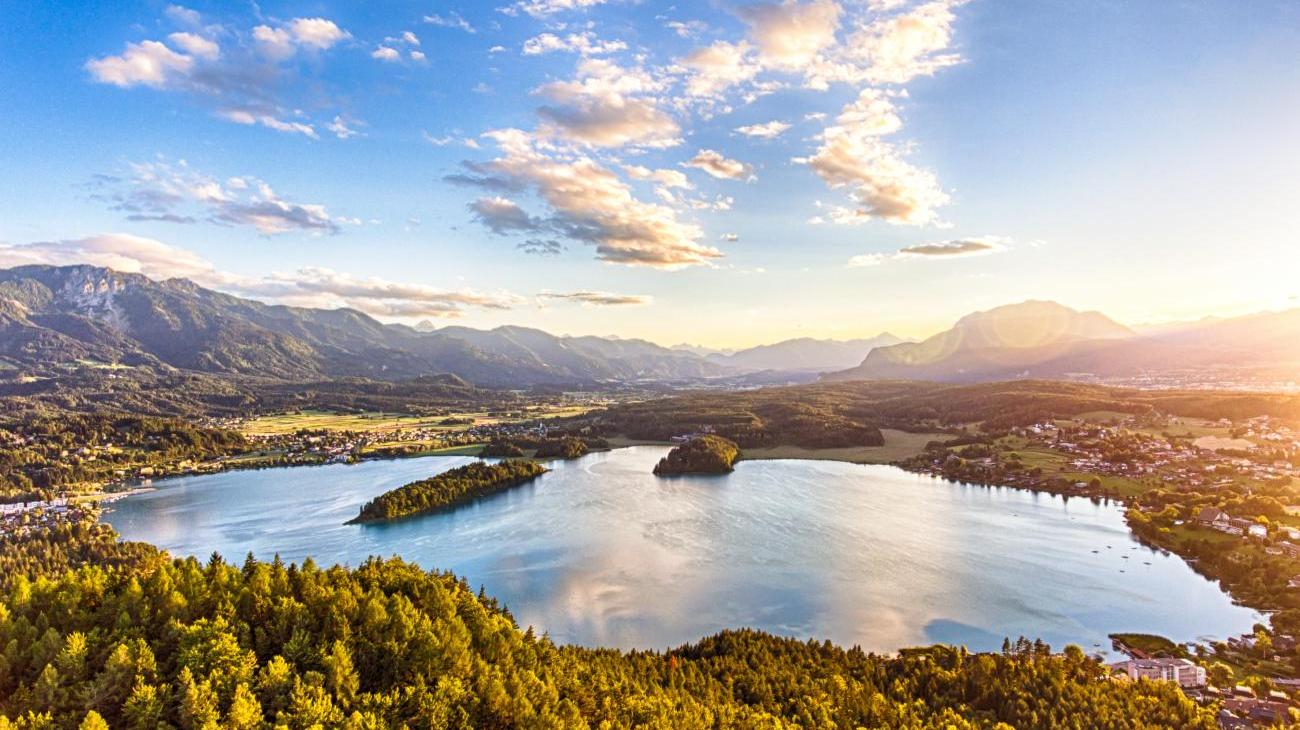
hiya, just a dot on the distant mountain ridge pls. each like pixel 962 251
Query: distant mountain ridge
pixel 806 354
pixel 1047 340
pixel 51 315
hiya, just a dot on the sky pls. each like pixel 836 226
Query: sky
pixel 719 173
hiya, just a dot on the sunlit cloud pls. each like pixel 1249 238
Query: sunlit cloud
pixel 598 298
pixel 718 165
pixel 176 193
pixel 940 250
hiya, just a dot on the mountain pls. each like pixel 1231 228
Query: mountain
pixel 1048 340
pixel 1005 342
pixel 53 318
pixel 806 354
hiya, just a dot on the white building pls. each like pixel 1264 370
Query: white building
pixel 1186 673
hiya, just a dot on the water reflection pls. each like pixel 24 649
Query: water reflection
pixel 601 552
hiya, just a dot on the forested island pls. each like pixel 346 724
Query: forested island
pixel 448 489
pixel 706 454
pixel 100 633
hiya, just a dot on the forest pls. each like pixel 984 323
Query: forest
pixel 448 489
pixel 707 454
pixel 831 415
pixel 40 453
pixel 125 637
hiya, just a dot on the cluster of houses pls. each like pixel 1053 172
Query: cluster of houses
pixel 1216 519
pixel 1241 707
pixel 17 518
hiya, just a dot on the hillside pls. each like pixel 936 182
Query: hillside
pixel 1047 340
pixel 54 318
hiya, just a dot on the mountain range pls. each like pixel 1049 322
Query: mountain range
pixel 55 317
pixel 60 319
pixel 1038 339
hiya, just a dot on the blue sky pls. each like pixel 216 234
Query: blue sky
pixel 726 173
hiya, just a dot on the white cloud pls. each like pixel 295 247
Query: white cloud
pixel 956 248
pixel 881 182
pixel 790 34
pixel 246 85
pixel 148 63
pixel 183 16
pixel 597 298
pixel 384 53
pixel 340 128
pixel 176 193
pixel 607 106
pixel 248 118
pixel 586 44
pixel 766 130
pixel 664 177
pixel 119 251
pixel 543 8
pixel 718 67
pixel 308 286
pixel 589 203
pixel 717 165
pixel 729 237
pixel 451 19
pixel 899 48
pixel 196 45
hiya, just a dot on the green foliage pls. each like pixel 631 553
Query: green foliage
pixel 177 643
pixel 40 453
pixel 448 489
pixel 706 454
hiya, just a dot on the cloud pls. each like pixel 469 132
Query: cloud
pixel 665 177
pixel 249 77
pixel 687 29
pixel 606 106
pixel 183 16
pixel 598 298
pixel 308 286
pixel 729 237
pixel 896 49
pixel 767 130
pixel 586 44
pixel 248 118
pixel 309 34
pixel 790 34
pixel 196 45
pixel 504 216
pixel 120 251
pixel 543 8
pixel 323 287
pixel 956 248
pixel 339 127
pixel 718 67
pixel 541 247
pixel 882 184
pixel 148 63
pixel 162 191
pixel 384 53
pixel 719 166
pixel 452 19
pixel 589 203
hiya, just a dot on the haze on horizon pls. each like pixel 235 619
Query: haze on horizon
pixel 726 175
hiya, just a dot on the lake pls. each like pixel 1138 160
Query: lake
pixel 600 552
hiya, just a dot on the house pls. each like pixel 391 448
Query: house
pixel 1257 531
pixel 1185 672
pixel 1212 517
pixel 1290 548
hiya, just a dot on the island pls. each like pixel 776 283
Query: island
pixel 707 454
pixel 448 489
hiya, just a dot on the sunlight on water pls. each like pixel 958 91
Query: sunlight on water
pixel 601 552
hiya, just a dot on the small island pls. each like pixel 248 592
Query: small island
pixel 706 454
pixel 448 489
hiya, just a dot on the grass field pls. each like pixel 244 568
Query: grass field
pixel 898 445
pixel 283 423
